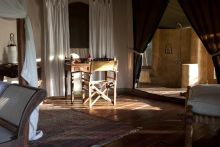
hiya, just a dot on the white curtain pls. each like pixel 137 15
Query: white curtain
pixel 56 28
pixel 101 29
pixel 82 52
pixel 17 9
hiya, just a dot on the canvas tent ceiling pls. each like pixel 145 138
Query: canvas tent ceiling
pixel 173 15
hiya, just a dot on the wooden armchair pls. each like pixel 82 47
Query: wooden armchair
pixel 100 88
pixel 16 105
pixel 202 106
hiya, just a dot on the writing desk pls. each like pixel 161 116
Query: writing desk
pixel 70 66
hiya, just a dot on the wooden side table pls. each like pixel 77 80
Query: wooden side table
pixel 9 70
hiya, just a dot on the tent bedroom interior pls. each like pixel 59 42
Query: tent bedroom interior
pixel 160 52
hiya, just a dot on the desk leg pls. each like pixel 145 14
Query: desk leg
pixel 72 87
pixel 66 72
pixel 83 86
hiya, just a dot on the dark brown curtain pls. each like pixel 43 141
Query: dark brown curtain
pixel 204 18
pixel 146 17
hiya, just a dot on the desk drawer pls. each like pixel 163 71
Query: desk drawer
pixel 83 68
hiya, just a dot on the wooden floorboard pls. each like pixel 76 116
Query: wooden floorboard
pixel 158 123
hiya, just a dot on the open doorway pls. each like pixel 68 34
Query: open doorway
pixel 79 28
pixel 175 58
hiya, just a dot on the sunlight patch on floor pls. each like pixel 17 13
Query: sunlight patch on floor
pixel 122 104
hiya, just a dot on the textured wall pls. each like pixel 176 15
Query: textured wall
pixel 186 49
pixel 170 50
pixel 206 68
pixel 123 39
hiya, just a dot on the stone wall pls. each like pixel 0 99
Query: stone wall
pixel 171 49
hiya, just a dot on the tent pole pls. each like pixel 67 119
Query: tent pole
pixel 21 48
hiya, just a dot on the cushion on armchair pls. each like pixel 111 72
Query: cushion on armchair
pixel 205 99
pixel 13 102
pixel 5 135
pixel 3 86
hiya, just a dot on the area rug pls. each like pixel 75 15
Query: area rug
pixel 71 128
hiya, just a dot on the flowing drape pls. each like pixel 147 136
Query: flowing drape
pixel 17 9
pixel 146 18
pixel 56 28
pixel 101 29
pixel 204 18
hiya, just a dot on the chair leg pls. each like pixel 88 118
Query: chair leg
pixel 83 95
pixel 188 127
pixel 90 96
pixel 106 87
pixel 66 83
pixel 189 134
pixel 83 86
pixel 25 139
pixel 115 94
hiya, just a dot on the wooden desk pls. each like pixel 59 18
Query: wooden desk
pixel 73 67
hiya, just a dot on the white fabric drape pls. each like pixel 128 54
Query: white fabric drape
pixel 56 28
pixel 17 9
pixel 29 71
pixel 101 29
pixel 82 52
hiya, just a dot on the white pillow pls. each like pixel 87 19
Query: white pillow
pixel 205 99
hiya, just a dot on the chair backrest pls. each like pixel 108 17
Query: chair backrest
pixel 3 86
pixel 111 65
pixel 17 103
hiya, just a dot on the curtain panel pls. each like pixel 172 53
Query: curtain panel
pixel 101 29
pixel 146 17
pixel 56 38
pixel 204 18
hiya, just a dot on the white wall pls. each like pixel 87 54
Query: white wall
pixel 123 40
pixel 7 27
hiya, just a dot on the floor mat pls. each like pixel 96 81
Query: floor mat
pixel 67 127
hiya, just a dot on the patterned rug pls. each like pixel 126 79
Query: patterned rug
pixel 68 127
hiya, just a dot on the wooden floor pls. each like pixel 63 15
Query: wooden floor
pixel 161 90
pixel 164 91
pixel 153 123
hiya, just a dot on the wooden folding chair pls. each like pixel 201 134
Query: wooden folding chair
pixel 100 88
